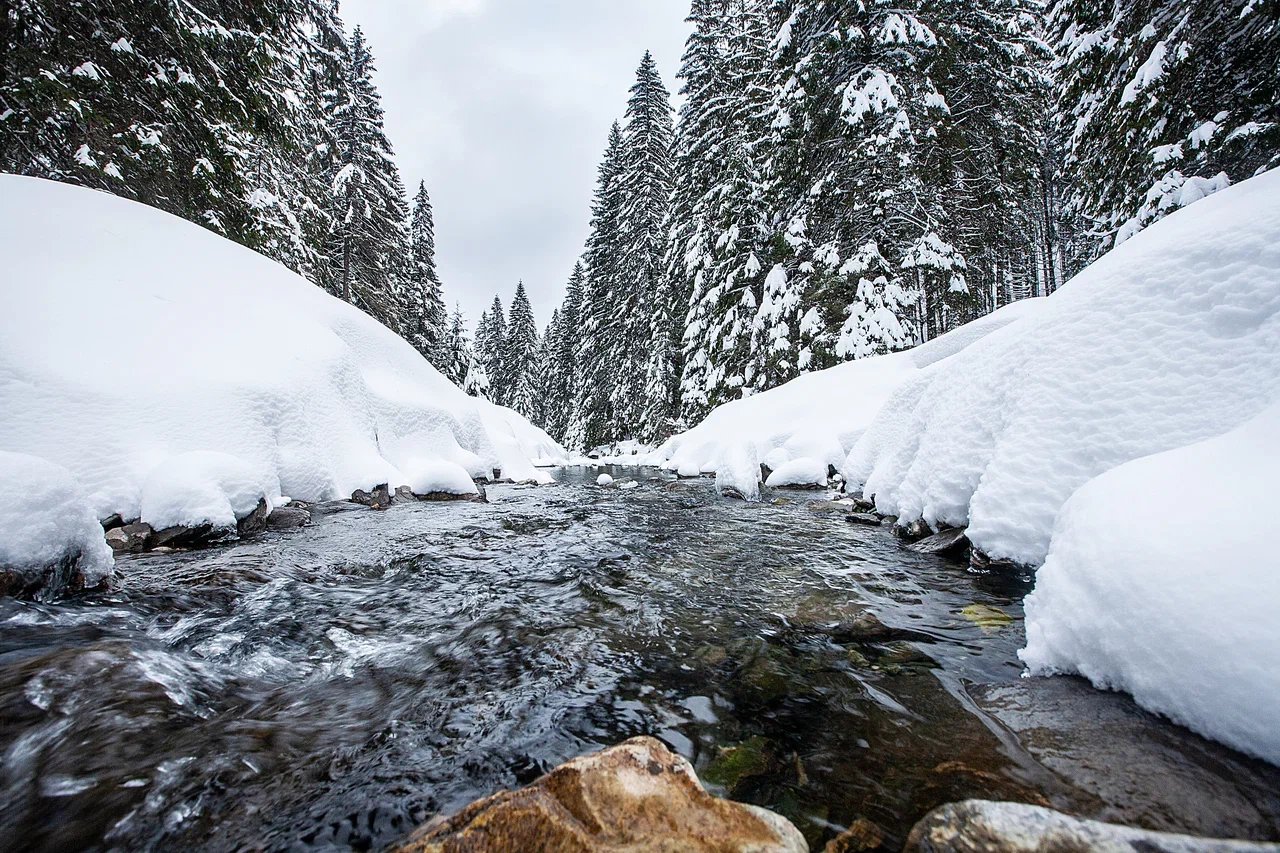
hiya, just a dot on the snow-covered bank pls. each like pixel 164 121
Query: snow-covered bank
pixel 1172 338
pixel 1182 615
pixel 173 372
pixel 813 421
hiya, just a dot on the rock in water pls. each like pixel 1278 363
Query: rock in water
pixel 980 825
pixel 288 518
pixel 130 538
pixel 637 796
pixel 947 542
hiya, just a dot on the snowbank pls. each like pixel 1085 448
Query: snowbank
pixel 45 521
pixel 180 377
pixel 812 421
pixel 1142 592
pixel 1172 338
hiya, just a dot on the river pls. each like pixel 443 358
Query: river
pixel 335 686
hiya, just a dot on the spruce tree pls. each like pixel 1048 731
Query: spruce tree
pixel 428 320
pixel 562 358
pixel 518 364
pixel 368 243
pixel 490 335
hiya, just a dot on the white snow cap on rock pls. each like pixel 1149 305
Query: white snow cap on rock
pixel 44 520
pixel 1172 338
pixel 604 480
pixel 1140 593
pixel 177 374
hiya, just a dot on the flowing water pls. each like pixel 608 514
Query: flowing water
pixel 335 686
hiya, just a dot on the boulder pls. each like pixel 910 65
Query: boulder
pixel 181 536
pixel 982 825
pixel 912 530
pixel 288 518
pixel 637 796
pixel 865 518
pixel 379 498
pixel 947 543
pixel 256 521
pixel 403 495
pixel 130 538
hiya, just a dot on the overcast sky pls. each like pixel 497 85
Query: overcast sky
pixel 503 107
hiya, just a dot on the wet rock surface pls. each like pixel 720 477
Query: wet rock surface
pixel 978 826
pixel 334 687
pixel 636 796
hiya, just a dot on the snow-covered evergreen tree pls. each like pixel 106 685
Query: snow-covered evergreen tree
pixel 518 361
pixel 368 243
pixel 460 363
pixel 561 364
pixel 1162 102
pixel 490 335
pixel 426 312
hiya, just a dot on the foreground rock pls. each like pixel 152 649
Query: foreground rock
pixel 980 825
pixel 637 796
pixel 951 542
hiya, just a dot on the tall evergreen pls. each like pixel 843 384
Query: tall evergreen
pixel 461 366
pixel 428 321
pixel 490 335
pixel 561 362
pixel 368 242
pixel 518 364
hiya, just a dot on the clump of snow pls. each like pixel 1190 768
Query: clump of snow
pixel 439 476
pixel 819 415
pixel 630 484
pixel 738 472
pixel 1172 338
pixel 44 520
pixel 178 374
pixel 805 471
pixel 1179 612
pixel 204 487
pixel 604 480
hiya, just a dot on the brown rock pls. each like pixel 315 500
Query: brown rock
pixel 256 521
pixel 131 538
pixel 948 542
pixel 863 835
pixel 379 498
pixel 634 797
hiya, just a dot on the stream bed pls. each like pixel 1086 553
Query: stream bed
pixel 335 686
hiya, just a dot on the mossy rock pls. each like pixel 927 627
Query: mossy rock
pixel 735 765
pixel 989 619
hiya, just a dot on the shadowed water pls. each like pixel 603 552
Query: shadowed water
pixel 335 686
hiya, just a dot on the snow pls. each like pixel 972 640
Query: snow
pixel 804 471
pixel 816 417
pixel 180 377
pixel 1172 338
pixel 604 480
pixel 44 519
pixel 1178 611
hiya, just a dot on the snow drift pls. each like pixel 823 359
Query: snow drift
pixel 1172 338
pixel 800 428
pixel 1180 614
pixel 180 377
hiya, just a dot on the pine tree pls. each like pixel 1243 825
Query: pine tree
pixel 562 361
pixel 593 409
pixel 490 335
pixel 1162 102
pixel 460 364
pixel 519 363
pixel 428 320
pixel 368 244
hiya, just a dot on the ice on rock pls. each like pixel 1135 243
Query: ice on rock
pixel 132 339
pixel 805 471
pixel 1171 338
pixel 1179 612
pixel 44 520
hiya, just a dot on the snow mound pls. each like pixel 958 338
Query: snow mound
pixel 1172 338
pixel 177 374
pixel 204 487
pixel 604 480
pixel 805 471
pixel 817 416
pixel 1179 612
pixel 45 521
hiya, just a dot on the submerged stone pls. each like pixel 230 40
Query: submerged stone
pixel 636 796
pixel 994 827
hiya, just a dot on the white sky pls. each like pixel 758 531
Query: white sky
pixel 503 108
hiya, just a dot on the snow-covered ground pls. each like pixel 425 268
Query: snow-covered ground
pixel 179 377
pixel 1151 380
pixel 1163 581
pixel 813 421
